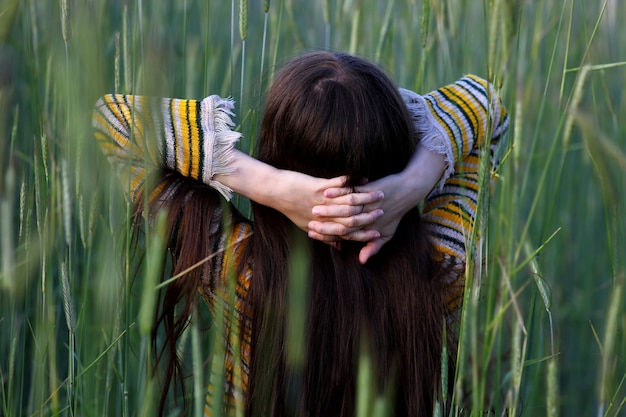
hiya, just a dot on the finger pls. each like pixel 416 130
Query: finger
pixel 362 236
pixel 349 205
pixel 344 225
pixel 362 198
pixel 360 221
pixel 335 210
pixel 356 236
pixel 349 197
pixel 321 237
pixel 370 250
pixel 337 182
pixel 330 228
pixel 338 191
pixel 343 211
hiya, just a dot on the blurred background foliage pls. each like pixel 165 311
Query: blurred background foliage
pixel 545 335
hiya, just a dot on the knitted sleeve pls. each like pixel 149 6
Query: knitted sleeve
pixel 139 134
pixel 193 137
pixel 457 120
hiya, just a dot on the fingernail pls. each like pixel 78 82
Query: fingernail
pixel 316 211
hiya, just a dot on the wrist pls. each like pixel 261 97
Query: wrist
pixel 251 178
pixel 277 186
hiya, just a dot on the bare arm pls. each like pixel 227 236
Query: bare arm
pixel 295 194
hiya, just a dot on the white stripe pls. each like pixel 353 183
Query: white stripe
pixel 169 135
pixel 479 95
pixel 179 133
pixel 206 112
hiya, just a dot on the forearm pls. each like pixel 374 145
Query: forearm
pixel 251 178
pixel 420 176
pixel 294 194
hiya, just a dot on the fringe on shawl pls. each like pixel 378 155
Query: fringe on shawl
pixel 219 141
pixel 433 136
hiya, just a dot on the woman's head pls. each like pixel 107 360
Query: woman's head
pixel 335 114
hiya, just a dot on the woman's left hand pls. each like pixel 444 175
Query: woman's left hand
pixel 402 191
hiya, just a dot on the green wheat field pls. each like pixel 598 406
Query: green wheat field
pixel 543 324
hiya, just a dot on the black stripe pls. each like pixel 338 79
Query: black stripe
pixel 161 120
pixel 174 141
pixel 470 195
pixel 200 141
pixel 460 246
pixel 188 174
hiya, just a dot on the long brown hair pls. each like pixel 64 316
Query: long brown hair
pixel 326 115
pixel 194 223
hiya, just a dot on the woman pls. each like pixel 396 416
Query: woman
pixel 386 289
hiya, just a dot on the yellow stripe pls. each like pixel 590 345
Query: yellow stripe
pixel 155 193
pixel 455 297
pixel 465 183
pixel 122 141
pixel 195 139
pixel 184 136
pixel 444 249
pixel 138 175
pixel 472 159
pixel 467 219
pixel 108 148
pixel 453 218
pixel 131 116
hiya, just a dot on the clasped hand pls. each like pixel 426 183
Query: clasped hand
pixel 370 213
pixel 331 212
